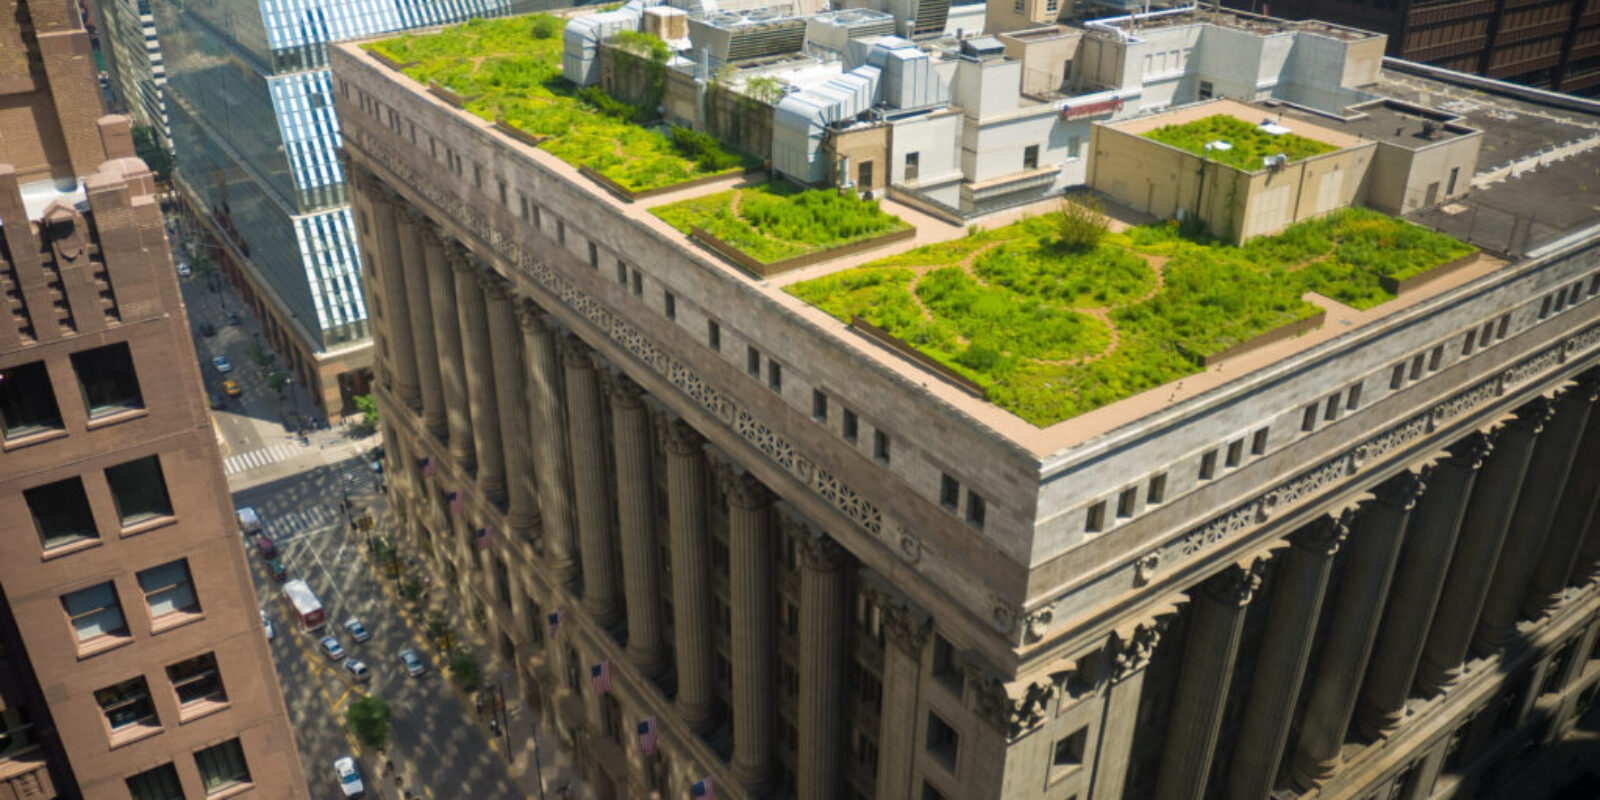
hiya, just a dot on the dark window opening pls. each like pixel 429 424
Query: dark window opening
pixel 944 743
pixel 160 783
pixel 1157 492
pixel 27 401
pixel 880 446
pixel 1095 521
pixel 109 383
pixel 1235 453
pixel 819 405
pixel 1258 442
pixel 1127 500
pixel 670 301
pixel 774 375
pixel 1208 465
pixel 1030 157
pixel 752 361
pixel 61 512
pixel 197 679
pixel 127 703
pixel 714 335
pixel 222 766
pixel 851 425
pixel 949 491
pixel 139 490
pixel 976 509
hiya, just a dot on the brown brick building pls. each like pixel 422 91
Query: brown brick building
pixel 130 662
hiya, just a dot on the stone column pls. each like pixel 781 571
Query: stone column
pixel 641 574
pixel 824 579
pixel 413 260
pixel 691 572
pixel 1215 626
pixel 1302 583
pixel 1127 657
pixel 1424 558
pixel 906 628
pixel 511 399
pixel 1374 548
pixel 586 441
pixel 452 365
pixel 1573 515
pixel 473 314
pixel 1536 507
pixel 548 423
pixel 386 222
pixel 1483 533
pixel 750 604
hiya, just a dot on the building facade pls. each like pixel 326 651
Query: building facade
pixel 1357 565
pixel 133 666
pixel 138 72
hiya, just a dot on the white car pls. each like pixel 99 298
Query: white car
pixel 222 364
pixel 349 776
pixel 183 270
pixel 414 665
pixel 266 623
pixel 332 647
pixel 357 631
pixel 358 670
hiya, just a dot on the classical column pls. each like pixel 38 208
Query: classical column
pixel 473 314
pixel 1127 656
pixel 1374 548
pixel 447 334
pixel 547 420
pixel 1536 507
pixel 906 629
pixel 413 259
pixel 511 399
pixel 1215 626
pixel 824 578
pixel 750 603
pixel 641 574
pixel 1483 533
pixel 586 440
pixel 691 572
pixel 1573 514
pixel 1424 558
pixel 386 222
pixel 1302 583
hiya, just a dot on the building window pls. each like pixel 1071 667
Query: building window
pixel 671 303
pixel 752 361
pixel 16 731
pixel 949 491
pixel 27 401
pixel 1487 334
pixel 522 206
pixel 222 766
pixel 95 612
pixel 622 273
pixel 1397 376
pixel 1450 188
pixel 1207 90
pixel 1208 465
pixel 126 704
pixel 594 256
pixel 160 783
pixel 819 405
pixel 912 166
pixel 880 446
pixel 139 490
pixel 168 589
pixel 1030 157
pixel 1308 419
pixel 1330 409
pixel 944 743
pixel 864 174
pixel 108 380
pixel 1127 501
pixel 503 200
pixel 1157 491
pixel 714 335
pixel 1235 453
pixel 945 667
pixel 1352 397
pixel 1095 521
pixel 638 284
pixel 561 233
pixel 1258 442
pixel 1068 753
pixel 976 508
pixel 1544 307
pixel 774 375
pixel 61 513
pixel 197 679
pixel 851 426
pixel 1435 358
pixel 1500 330
pixel 477 176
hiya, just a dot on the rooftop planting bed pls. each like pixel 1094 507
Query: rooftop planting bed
pixel 776 220
pixel 1249 143
pixel 510 69
pixel 1049 332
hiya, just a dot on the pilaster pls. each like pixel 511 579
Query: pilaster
pixel 906 629
pixel 587 448
pixel 452 363
pixel 1574 512
pixel 476 351
pixel 511 401
pixel 691 571
pixel 824 579
pixel 750 603
pixel 414 244
pixel 397 328
pixel 641 574
pixel 547 420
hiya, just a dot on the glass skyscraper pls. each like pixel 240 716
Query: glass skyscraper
pixel 253 128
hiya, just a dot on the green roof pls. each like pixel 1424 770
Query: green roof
pixel 777 220
pixel 1247 144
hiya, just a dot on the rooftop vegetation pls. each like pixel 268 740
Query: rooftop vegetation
pixel 1249 144
pixel 510 68
pixel 1050 331
pixel 777 220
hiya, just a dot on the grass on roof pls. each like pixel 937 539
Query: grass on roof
pixel 1250 143
pixel 1050 334
pixel 777 220
pixel 510 68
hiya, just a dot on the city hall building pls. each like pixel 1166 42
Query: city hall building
pixel 1354 563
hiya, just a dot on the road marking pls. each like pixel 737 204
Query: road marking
pixel 261 457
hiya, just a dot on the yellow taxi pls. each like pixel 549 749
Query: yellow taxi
pixel 231 388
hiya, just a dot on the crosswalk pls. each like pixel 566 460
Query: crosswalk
pixel 281 526
pixel 233 465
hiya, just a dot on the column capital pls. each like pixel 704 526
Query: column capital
pixel 431 235
pixel 532 317
pixel 681 439
pixel 1235 585
pixel 1326 534
pixel 574 353
pixel 495 288
pixel 1472 452
pixel 906 626
pixel 459 257
pixel 820 553
pixel 1129 653
pixel 742 489
pixel 1402 491
pixel 622 390
pixel 417 216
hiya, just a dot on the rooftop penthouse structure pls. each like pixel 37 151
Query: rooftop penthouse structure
pixel 857 500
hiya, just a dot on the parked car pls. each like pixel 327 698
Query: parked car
pixel 183 270
pixel 216 400
pixel 230 387
pixel 332 647
pixel 249 520
pixel 357 631
pixel 222 364
pixel 233 318
pixel 349 776
pixel 267 623
pixel 358 670
pixel 276 569
pixel 414 664
pixel 207 329
pixel 265 547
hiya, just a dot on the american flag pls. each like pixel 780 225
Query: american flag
pixel 554 620
pixel 702 788
pixel 647 736
pixel 430 467
pixel 600 674
pixel 485 538
pixel 456 502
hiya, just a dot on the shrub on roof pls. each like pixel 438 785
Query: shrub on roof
pixel 1249 143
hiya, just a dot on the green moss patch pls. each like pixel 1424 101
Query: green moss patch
pixel 776 220
pixel 1249 143
pixel 510 68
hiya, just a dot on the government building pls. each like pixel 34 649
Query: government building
pixel 839 522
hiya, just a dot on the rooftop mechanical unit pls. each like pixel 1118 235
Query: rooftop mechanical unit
pixel 753 33
pixel 833 30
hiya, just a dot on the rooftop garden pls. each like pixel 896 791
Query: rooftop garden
pixel 1248 143
pixel 1051 323
pixel 777 220
pixel 510 69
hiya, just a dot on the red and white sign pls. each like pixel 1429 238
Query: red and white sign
pixel 1092 108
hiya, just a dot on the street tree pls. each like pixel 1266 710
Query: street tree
pixel 464 670
pixel 277 381
pixel 440 632
pixel 368 719
pixel 368 406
